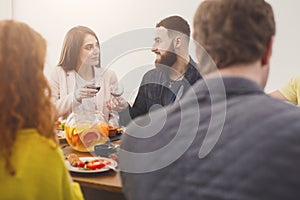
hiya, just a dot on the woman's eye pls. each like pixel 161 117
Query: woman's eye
pixel 91 46
pixel 88 47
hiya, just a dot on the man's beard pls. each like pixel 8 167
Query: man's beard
pixel 166 59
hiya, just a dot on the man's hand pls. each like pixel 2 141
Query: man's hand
pixel 117 104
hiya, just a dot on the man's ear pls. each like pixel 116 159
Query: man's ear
pixel 267 55
pixel 177 42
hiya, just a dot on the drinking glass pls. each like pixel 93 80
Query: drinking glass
pixel 117 90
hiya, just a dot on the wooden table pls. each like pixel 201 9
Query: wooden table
pixel 104 185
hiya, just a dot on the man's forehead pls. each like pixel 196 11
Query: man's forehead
pixel 161 32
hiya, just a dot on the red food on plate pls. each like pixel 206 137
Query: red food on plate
pixel 95 164
pixel 80 164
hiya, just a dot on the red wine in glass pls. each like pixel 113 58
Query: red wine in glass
pixel 117 91
pixel 98 88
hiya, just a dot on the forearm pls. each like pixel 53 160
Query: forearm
pixel 278 95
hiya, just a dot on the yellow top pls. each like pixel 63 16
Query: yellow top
pixel 291 91
pixel 40 171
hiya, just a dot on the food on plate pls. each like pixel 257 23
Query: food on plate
pixel 92 164
pixel 74 160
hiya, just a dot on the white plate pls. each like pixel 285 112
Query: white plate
pixel 84 159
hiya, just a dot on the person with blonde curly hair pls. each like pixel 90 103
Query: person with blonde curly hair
pixel 31 164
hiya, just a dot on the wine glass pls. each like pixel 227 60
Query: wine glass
pixel 117 90
pixel 96 84
pixel 97 87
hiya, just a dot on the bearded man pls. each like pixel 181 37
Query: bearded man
pixel 174 74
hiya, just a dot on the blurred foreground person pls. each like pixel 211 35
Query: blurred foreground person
pixel 228 140
pixel 31 164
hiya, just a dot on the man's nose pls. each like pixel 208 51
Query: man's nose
pixel 154 49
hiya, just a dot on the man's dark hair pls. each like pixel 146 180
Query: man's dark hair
pixel 175 23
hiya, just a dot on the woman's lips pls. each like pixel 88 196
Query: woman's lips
pixel 95 58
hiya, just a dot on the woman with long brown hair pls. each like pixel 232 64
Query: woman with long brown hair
pixel 31 163
pixel 79 82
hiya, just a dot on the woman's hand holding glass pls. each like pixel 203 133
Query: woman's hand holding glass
pixel 86 91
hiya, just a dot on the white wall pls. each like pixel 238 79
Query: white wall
pixel 52 18
pixel 285 60
pixel 108 18
pixel 5 9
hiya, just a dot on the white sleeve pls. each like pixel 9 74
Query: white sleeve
pixel 63 103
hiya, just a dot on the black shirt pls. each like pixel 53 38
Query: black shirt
pixel 157 89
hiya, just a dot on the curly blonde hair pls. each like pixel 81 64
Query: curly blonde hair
pixel 25 94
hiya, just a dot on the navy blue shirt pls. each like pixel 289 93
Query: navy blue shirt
pixel 157 89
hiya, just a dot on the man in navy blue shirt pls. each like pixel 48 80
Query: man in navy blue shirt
pixel 175 71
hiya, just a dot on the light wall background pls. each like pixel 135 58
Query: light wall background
pixel 53 18
pixel 5 9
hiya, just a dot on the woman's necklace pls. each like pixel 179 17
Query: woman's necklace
pixel 173 81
